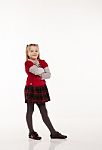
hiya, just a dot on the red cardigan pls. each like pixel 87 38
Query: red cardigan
pixel 33 79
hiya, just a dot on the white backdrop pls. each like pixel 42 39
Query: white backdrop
pixel 69 34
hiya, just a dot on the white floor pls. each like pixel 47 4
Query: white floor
pixel 83 134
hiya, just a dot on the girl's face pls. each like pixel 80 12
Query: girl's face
pixel 33 52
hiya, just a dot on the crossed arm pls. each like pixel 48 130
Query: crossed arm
pixel 43 73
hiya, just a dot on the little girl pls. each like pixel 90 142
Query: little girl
pixel 36 91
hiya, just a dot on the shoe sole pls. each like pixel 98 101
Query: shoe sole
pixel 35 138
pixel 58 137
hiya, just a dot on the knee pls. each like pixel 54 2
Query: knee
pixel 30 111
pixel 44 111
pixel 30 108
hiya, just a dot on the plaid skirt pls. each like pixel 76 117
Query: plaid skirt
pixel 36 94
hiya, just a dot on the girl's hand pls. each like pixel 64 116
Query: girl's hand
pixel 41 76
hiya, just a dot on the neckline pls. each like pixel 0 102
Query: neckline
pixel 32 60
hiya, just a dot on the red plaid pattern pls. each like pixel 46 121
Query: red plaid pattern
pixel 36 94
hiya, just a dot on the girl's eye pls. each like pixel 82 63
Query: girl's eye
pixel 35 51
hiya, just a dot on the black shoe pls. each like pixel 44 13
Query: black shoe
pixel 34 135
pixel 57 135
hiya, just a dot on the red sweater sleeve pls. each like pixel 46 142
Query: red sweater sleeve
pixel 28 64
pixel 44 64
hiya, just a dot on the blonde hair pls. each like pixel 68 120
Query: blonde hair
pixel 27 49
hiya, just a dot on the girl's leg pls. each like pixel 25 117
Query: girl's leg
pixel 30 109
pixel 45 117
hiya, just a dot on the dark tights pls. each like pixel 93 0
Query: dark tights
pixel 44 114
